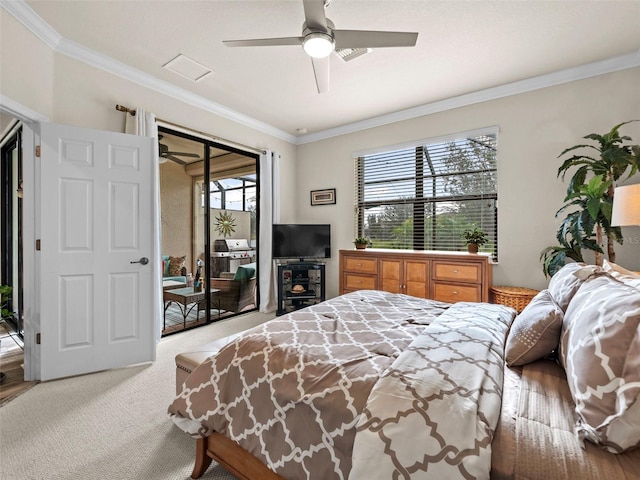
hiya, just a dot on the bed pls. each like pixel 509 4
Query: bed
pixel 379 385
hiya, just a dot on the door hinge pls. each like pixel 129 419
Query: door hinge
pixel 37 339
pixel 38 151
pixel 38 244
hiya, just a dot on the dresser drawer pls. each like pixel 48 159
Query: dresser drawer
pixel 446 292
pixel 459 272
pixel 359 282
pixel 445 276
pixel 360 265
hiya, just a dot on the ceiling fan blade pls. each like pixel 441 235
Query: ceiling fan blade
pixel 373 39
pixel 176 159
pixel 183 154
pixel 264 42
pixel 321 72
pixel 314 15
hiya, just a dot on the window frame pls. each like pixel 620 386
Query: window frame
pixel 421 203
pixel 246 186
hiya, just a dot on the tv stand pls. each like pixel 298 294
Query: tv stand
pixel 300 284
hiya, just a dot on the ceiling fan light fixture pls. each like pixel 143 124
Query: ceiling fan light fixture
pixel 318 44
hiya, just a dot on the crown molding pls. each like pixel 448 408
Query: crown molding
pixel 103 62
pixel 610 65
pixel 15 109
pixel 34 23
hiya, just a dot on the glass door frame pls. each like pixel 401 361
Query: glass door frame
pixel 207 145
pixel 11 272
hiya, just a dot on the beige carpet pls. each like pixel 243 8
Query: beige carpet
pixel 108 425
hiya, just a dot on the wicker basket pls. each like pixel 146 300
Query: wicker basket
pixel 516 297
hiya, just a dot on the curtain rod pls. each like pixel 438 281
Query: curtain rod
pixel 207 136
pixel 124 109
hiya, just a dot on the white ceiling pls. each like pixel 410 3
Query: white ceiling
pixel 463 47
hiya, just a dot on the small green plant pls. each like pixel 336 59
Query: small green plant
pixel 475 237
pixel 5 296
pixel 361 241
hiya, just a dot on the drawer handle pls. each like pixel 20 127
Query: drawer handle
pixel 455 271
pixel 359 281
pixel 358 264
pixel 455 292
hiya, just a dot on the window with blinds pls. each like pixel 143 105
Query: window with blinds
pixel 424 196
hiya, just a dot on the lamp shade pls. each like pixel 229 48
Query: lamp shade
pixel 626 206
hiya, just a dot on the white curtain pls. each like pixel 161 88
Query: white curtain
pixel 144 124
pixel 269 214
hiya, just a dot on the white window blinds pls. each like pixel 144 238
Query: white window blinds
pixel 425 196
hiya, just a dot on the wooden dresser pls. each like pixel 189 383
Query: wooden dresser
pixel 445 276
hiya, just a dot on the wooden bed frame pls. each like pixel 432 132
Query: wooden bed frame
pixel 231 456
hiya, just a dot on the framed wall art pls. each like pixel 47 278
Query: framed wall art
pixel 323 197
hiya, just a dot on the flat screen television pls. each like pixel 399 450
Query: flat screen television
pixel 302 241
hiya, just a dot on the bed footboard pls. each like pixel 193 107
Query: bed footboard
pixel 231 456
pixel 202 459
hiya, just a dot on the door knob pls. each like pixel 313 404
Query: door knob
pixel 143 261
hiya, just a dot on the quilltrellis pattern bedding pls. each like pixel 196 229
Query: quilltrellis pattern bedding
pixel 434 411
pixel 359 385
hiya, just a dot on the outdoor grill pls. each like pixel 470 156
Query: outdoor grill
pixel 229 253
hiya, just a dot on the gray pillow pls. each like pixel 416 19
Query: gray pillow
pixel 600 350
pixel 564 284
pixel 535 333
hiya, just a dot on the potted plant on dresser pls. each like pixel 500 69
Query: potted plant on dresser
pixel 474 238
pixel 361 242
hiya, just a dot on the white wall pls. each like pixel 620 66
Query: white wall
pixel 534 129
pixel 6 121
pixel 26 75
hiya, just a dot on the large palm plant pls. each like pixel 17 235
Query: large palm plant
pixel 590 198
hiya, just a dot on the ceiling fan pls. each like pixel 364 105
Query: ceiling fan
pixel 165 154
pixel 319 38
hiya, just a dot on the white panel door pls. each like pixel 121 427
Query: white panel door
pixel 96 219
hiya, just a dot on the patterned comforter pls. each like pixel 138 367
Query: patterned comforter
pixel 366 385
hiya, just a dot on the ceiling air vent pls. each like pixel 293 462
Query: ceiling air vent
pixel 348 54
pixel 188 68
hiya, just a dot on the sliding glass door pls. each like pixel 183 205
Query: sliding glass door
pixel 11 228
pixel 209 200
